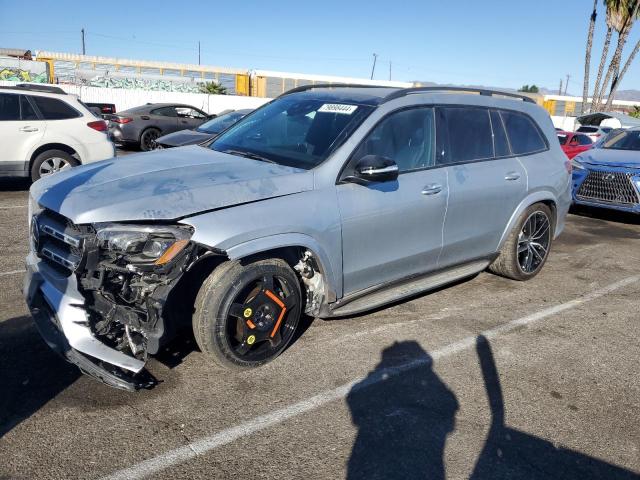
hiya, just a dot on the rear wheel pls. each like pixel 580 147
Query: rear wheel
pixel 246 315
pixel 526 250
pixel 148 139
pixel 50 162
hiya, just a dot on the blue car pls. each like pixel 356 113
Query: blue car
pixel 609 176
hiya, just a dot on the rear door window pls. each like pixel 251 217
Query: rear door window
pixel 9 107
pixel 26 110
pixel 54 109
pixel 500 142
pixel 464 134
pixel 524 136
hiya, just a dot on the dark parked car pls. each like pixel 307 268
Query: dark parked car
pixel 206 131
pixel 143 125
pixel 101 109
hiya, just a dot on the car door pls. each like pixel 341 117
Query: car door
pixel 392 230
pixel 486 182
pixel 20 123
pixel 190 118
pixel 165 119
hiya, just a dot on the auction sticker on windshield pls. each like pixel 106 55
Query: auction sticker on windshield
pixel 338 108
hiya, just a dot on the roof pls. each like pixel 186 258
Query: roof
pixel 596 118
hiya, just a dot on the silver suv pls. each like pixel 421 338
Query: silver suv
pixel 328 201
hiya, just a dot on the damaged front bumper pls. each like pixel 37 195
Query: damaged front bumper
pixel 58 309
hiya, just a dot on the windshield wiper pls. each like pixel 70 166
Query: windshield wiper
pixel 252 156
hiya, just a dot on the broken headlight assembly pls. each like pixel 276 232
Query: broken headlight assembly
pixel 143 244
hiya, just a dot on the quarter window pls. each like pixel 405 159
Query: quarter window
pixel 406 137
pixel 524 136
pixel 9 107
pixel 464 134
pixel 54 109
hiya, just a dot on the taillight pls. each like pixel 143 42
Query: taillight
pixel 122 119
pixel 99 125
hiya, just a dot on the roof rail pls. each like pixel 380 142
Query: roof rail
pixel 481 91
pixel 40 88
pixel 304 88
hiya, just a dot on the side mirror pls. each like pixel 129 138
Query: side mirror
pixel 375 168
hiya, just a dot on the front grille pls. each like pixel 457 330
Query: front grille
pixel 609 187
pixel 57 241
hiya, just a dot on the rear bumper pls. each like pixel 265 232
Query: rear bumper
pixel 58 310
pixel 97 151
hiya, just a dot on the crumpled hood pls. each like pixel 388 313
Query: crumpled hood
pixel 611 158
pixel 184 137
pixel 164 185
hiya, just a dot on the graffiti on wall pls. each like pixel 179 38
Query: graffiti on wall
pixel 20 75
pixel 137 82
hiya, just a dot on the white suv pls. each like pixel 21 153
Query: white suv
pixel 44 130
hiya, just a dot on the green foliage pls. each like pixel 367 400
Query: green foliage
pixel 529 89
pixel 213 88
pixel 635 112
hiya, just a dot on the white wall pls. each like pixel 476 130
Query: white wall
pixel 124 98
pixel 566 123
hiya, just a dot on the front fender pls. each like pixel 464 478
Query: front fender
pixel 284 240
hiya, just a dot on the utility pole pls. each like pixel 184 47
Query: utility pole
pixel 373 69
pixel 566 85
pixel 83 49
pixel 560 89
pixel 389 70
pixel 198 52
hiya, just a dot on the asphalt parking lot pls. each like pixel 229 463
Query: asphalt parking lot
pixel 489 378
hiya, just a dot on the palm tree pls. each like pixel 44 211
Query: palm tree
pixel 587 58
pixel 624 20
pixel 614 87
pixel 610 7
pixel 213 88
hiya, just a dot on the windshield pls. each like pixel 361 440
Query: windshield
pixel 220 123
pixel 624 140
pixel 294 130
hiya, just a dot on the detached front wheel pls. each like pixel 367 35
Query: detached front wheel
pixel 246 315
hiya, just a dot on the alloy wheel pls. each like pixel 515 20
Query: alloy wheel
pixel 533 242
pixel 53 165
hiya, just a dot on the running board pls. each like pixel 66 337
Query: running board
pixel 364 301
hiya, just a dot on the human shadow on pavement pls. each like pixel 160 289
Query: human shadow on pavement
pixel 403 417
pixel 512 454
pixel 31 374
pixel 404 413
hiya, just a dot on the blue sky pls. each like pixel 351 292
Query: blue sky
pixel 498 43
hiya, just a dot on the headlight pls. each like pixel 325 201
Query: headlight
pixel 144 243
pixel 576 165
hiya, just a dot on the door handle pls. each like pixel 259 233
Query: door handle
pixel 431 189
pixel 28 129
pixel 512 176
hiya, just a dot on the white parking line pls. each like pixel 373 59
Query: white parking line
pixel 207 444
pixel 13 206
pixel 12 272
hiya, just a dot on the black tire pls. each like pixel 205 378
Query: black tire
pixel 51 158
pixel 232 306
pixel 522 257
pixel 148 138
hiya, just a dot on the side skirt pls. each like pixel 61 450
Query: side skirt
pixel 383 294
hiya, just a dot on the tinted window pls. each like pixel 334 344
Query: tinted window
pixel 54 109
pixel 606 129
pixel 464 134
pixel 562 139
pixel 220 123
pixel 295 130
pixel 26 110
pixel 584 140
pixel 165 112
pixel 587 129
pixel 524 136
pixel 500 143
pixel 406 137
pixel 9 107
pixel 623 140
